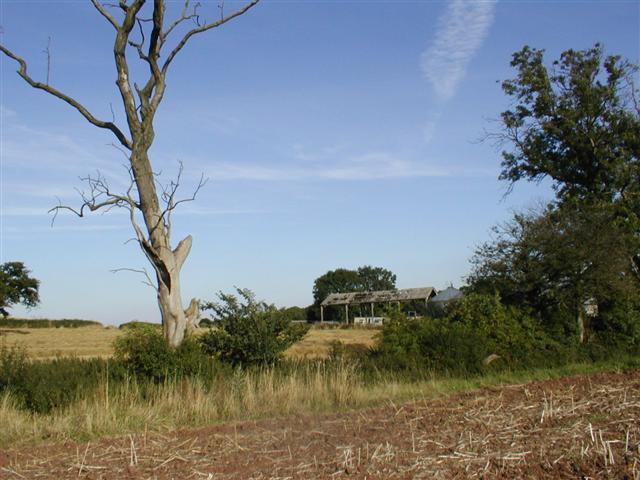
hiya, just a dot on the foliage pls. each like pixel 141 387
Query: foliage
pixel 422 345
pixel 247 331
pixel 459 342
pixel 136 324
pixel 44 386
pixel 293 314
pixel 578 123
pixel 45 323
pixel 17 287
pixel 376 278
pixel 618 325
pixel 575 122
pixel 144 352
pixel 553 261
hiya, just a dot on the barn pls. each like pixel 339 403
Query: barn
pixel 371 299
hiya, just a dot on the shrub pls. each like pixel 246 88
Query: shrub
pixel 145 353
pixel 138 324
pixel 248 332
pixel 510 332
pixel 425 345
pixel 470 330
pixel 617 325
pixel 42 386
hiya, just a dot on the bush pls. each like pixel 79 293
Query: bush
pixel 248 332
pixel 425 345
pixel 42 386
pixel 138 324
pixel 617 325
pixel 145 353
pixel 459 342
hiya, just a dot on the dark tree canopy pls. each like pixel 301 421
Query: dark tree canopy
pixel 557 258
pixel 342 280
pixel 17 287
pixel 376 278
pixel 576 122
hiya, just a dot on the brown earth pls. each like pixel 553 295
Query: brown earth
pixel 574 427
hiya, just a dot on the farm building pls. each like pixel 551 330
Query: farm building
pixel 370 299
pixel 446 296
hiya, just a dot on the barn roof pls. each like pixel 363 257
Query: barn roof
pixel 382 296
pixel 447 295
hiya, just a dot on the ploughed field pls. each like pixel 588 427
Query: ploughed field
pixel 96 341
pixel 573 427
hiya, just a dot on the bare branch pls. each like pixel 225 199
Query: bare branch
pixel 138 45
pixel 119 50
pixel 183 16
pixel 103 11
pixel 142 271
pixel 47 52
pixel 65 98
pixel 168 196
pixel 98 197
pixel 204 28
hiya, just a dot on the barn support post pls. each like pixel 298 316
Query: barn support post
pixel 321 314
pixel 346 311
pixel 372 311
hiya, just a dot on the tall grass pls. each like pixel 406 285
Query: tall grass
pixel 303 388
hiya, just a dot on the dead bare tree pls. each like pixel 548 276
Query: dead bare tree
pixel 144 198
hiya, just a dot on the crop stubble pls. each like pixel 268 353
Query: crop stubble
pixel 574 427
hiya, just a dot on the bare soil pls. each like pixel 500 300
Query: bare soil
pixel 574 427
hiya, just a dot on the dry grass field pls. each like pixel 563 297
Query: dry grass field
pixel 96 341
pixel 90 341
pixel 317 342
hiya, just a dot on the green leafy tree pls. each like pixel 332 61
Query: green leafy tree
pixel 578 123
pixel 247 331
pixel 554 261
pixel 575 122
pixel 17 287
pixel 376 278
pixel 340 280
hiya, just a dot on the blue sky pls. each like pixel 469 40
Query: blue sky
pixel 334 134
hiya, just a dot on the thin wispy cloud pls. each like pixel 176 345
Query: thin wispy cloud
pixel 375 165
pixel 461 31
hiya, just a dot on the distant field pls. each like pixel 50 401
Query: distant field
pixel 95 341
pixel 318 342
pixel 90 341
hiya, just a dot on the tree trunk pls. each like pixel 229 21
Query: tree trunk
pixel 166 261
pixel 581 323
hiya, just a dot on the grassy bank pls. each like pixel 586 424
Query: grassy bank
pixel 303 388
